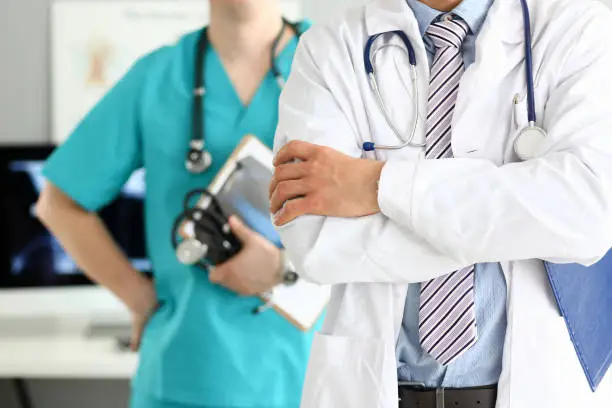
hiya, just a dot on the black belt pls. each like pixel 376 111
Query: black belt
pixel 415 396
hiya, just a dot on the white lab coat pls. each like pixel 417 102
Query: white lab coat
pixel 441 215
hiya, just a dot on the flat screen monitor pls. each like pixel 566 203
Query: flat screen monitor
pixel 30 256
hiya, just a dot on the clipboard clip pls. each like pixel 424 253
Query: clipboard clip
pixel 268 304
pixel 260 309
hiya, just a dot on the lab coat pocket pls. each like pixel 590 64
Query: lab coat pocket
pixel 344 372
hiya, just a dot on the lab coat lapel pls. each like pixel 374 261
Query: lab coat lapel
pixel 499 49
pixel 388 15
pixel 383 16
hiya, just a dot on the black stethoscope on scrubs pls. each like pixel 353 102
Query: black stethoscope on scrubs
pixel 198 157
pixel 213 242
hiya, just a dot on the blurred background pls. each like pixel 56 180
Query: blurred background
pixel 26 58
pixel 56 59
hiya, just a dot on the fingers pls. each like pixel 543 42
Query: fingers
pixel 287 183
pixel 295 150
pixel 217 274
pixel 242 232
pixel 293 209
pixel 136 337
pixel 285 191
pixel 288 171
pixel 138 326
pixel 223 276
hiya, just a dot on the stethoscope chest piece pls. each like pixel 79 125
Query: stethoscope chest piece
pixel 529 142
pixel 191 251
pixel 198 160
pixel 208 240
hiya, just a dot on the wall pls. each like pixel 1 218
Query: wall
pixel 320 10
pixel 24 118
pixel 24 53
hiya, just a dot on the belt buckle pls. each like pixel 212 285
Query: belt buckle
pixel 413 384
pixel 421 386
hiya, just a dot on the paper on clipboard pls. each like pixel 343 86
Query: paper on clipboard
pixel 302 303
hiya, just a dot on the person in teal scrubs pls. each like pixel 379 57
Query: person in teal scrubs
pixel 200 345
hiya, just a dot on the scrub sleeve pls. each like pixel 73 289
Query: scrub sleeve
pixel 101 154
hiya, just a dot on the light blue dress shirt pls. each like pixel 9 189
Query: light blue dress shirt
pixel 481 364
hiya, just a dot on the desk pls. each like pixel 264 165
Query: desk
pixel 65 357
pixel 62 357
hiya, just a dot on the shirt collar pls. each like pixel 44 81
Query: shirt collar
pixel 473 12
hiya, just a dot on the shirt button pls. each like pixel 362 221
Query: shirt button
pixel 447 17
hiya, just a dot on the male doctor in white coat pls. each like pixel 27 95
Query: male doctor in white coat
pixel 440 296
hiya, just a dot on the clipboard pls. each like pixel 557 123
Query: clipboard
pixel 301 303
pixel 584 298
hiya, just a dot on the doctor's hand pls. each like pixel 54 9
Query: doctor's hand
pixel 318 180
pixel 255 269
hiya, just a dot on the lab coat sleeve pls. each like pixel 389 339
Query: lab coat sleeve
pixel 557 207
pixel 330 250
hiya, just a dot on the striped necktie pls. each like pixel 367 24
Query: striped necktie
pixel 447 325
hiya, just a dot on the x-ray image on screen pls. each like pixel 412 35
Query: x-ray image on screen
pixel 34 255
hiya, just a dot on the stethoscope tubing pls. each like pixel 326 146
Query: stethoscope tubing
pixel 198 136
pixel 531 111
pixel 370 71
pixel 369 58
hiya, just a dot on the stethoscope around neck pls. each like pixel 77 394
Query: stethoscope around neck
pixel 526 143
pixel 198 157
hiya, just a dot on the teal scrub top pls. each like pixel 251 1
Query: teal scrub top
pixel 203 347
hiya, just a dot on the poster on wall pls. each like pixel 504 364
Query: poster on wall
pixel 93 44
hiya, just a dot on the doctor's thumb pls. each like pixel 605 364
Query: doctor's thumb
pixel 216 275
pixel 239 228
